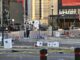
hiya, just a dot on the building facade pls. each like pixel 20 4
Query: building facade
pixel 69 14
pixel 16 11
pixel 10 9
pixel 41 9
pixel 63 16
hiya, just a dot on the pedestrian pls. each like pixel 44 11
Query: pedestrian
pixel 28 29
pixel 27 32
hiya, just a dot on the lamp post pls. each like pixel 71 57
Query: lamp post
pixel 52 18
pixel 13 22
pixel 1 12
pixel 40 15
pixel 2 23
pixel 63 15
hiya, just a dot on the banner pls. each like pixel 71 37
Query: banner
pixel 70 2
pixel 8 43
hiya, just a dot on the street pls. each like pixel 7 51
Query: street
pixel 30 54
pixel 30 29
pixel 27 56
pixel 34 54
pixel 63 42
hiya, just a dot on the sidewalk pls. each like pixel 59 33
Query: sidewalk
pixel 28 42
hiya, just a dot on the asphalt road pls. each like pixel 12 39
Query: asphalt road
pixel 34 56
pixel 18 57
pixel 61 56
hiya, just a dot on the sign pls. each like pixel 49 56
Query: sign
pixel 39 43
pixel 70 2
pixel 8 43
pixel 53 44
pixel 50 44
pixel 67 11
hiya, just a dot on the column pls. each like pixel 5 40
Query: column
pixel 33 9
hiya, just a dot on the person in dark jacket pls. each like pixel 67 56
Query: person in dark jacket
pixel 27 30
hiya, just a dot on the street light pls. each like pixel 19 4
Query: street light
pixel 13 22
pixel 52 18
pixel 2 43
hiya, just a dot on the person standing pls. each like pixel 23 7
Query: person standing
pixel 28 29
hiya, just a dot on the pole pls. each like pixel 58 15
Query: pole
pixel 64 21
pixel 39 15
pixel 2 24
pixel 1 12
pixel 52 19
pixel 24 16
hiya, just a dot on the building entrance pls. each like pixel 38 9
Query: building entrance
pixel 67 23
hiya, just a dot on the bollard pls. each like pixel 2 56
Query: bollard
pixel 77 53
pixel 43 54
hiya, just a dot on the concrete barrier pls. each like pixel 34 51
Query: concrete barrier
pixel 38 34
pixel 16 35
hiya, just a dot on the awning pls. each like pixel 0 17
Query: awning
pixel 66 16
